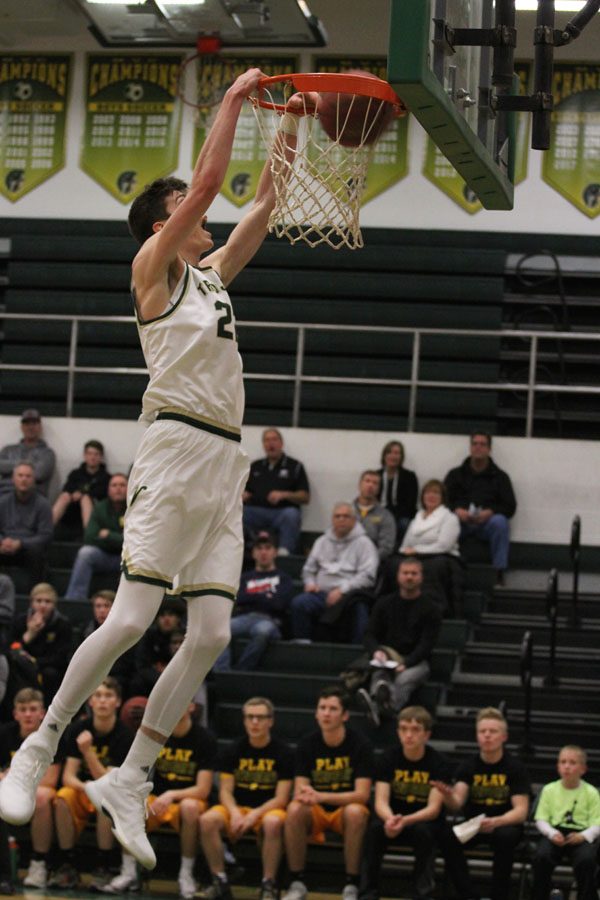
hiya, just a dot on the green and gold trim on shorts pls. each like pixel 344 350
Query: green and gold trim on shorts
pixel 134 573
pixel 202 590
pixel 177 414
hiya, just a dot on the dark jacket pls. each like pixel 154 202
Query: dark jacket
pixel 104 515
pixel 96 485
pixel 409 626
pixel 489 489
pixel 53 645
pixel 399 495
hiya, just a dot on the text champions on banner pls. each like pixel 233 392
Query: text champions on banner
pixel 572 164
pixel 34 93
pixel 132 121
pixel 389 163
pixel 442 173
pixel 215 75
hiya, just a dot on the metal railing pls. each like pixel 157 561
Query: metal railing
pixel 551 678
pixel 530 388
pixel 526 675
pixel 574 620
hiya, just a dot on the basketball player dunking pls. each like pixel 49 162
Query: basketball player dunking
pixel 183 528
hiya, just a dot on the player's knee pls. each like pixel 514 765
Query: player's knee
pixel 272 825
pixel 188 810
pixel 210 822
pixel 355 815
pixel 44 797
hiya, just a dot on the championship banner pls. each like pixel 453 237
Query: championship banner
pixel 443 174
pixel 389 163
pixel 215 75
pixel 34 91
pixel 132 121
pixel 572 164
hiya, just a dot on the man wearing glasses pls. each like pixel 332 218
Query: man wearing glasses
pixel 254 789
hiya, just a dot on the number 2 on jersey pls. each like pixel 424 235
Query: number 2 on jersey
pixel 224 320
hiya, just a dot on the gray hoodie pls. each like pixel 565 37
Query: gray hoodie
pixel 41 457
pixel 347 563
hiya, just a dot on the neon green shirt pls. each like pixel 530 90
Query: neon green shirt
pixel 569 809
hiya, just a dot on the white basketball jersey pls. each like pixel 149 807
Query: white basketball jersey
pixel 192 354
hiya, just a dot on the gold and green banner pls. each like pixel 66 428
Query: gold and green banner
pixel 132 120
pixel 389 163
pixel 215 75
pixel 34 92
pixel 443 174
pixel 572 164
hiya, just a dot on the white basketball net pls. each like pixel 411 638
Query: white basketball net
pixel 318 192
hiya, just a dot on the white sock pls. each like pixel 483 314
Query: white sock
pixel 140 759
pixel 187 865
pixel 128 865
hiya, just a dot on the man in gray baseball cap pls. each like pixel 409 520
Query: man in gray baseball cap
pixel 32 449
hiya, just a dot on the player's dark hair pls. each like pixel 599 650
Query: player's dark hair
pixel 111 684
pixel 149 207
pixel 334 691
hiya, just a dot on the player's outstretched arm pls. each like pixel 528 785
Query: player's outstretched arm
pixel 246 238
pixel 161 250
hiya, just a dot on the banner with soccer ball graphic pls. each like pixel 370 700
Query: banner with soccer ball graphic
pixel 132 121
pixel 34 91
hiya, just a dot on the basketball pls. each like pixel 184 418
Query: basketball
pixel 132 712
pixel 353 119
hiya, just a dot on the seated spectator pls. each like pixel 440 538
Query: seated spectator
pixel 496 786
pixel 32 449
pixel 28 712
pixel 7 612
pixel 103 540
pixel 154 650
pixel 277 487
pixel 409 809
pixel 255 779
pixel 182 784
pixel 482 497
pixel 433 537
pixel 332 787
pixel 568 818
pixel 378 523
pixel 93 745
pixel 261 604
pixel 403 629
pixel 399 488
pixel 25 526
pixel 47 636
pixel 83 487
pixel 7 887
pixel 341 567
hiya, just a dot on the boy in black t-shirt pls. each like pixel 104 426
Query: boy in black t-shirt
pixel 408 808
pixel 255 784
pixel 28 712
pixel 334 772
pixel 182 782
pixel 495 784
pixel 92 746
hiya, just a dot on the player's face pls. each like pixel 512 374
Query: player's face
pixel 92 457
pixel 369 486
pixel 413 736
pixel 44 604
pixel 104 702
pixel 264 556
pixel 101 607
pixel 571 766
pixel 330 714
pixel 491 735
pixel 117 489
pixel 257 721
pixel 29 716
